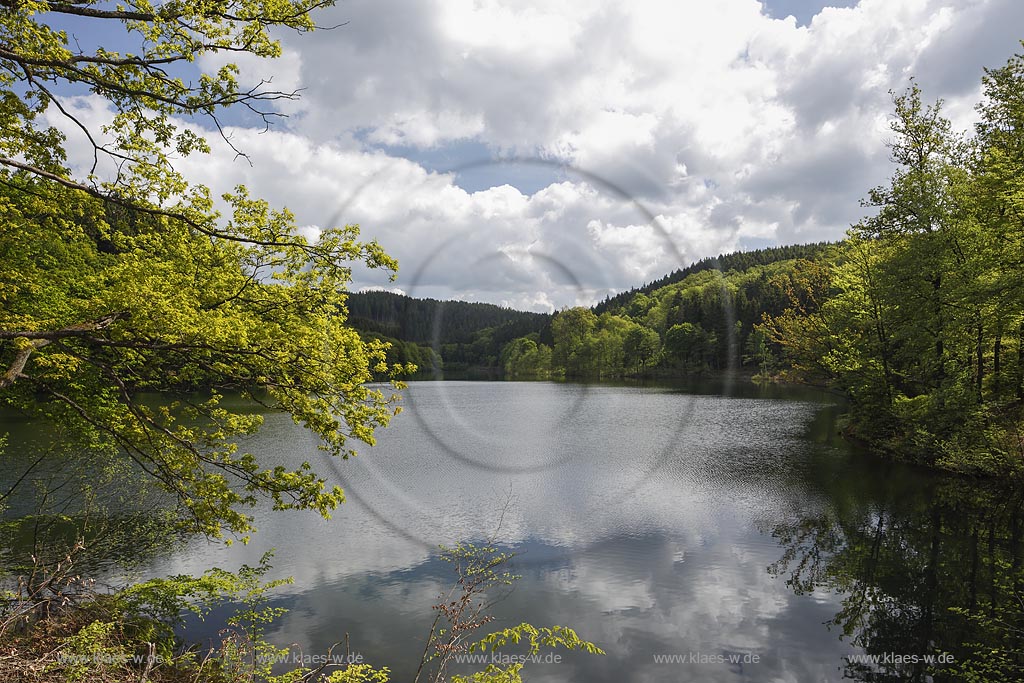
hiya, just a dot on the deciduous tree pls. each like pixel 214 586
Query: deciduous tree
pixel 123 278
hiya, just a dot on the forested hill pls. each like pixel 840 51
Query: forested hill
pixel 409 319
pixel 489 340
pixel 738 261
pixel 469 335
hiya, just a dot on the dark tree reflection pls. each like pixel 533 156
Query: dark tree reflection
pixel 931 579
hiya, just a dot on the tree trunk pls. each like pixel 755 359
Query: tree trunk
pixel 1020 363
pixel 993 563
pixel 1015 566
pixel 972 602
pixel 997 350
pixel 940 347
pixel 980 352
pixel 931 583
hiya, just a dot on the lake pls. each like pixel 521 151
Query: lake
pixel 701 533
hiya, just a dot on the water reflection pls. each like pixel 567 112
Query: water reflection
pixel 735 533
pixel 636 596
pixel 646 539
pixel 59 500
pixel 932 572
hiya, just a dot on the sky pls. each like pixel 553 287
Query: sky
pixel 540 155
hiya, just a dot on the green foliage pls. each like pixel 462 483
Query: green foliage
pixel 359 673
pixel 739 261
pixel 113 517
pixel 690 345
pixel 570 330
pixel 90 649
pixel 693 324
pixel 111 288
pixel 150 611
pixel 535 638
pixel 525 358
pixel 640 346
pixel 245 652
pixel 428 321
pixel 493 674
pixel 919 316
pixel 82 635
pixel 460 337
pixel 465 609
pixel 592 344
pixel 994 653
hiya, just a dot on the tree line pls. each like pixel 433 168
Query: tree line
pixel 739 261
pixel 918 316
pixel 701 321
pixel 708 321
pixel 450 336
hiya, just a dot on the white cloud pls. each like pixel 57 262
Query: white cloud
pixel 723 123
pixel 378 288
pixel 539 302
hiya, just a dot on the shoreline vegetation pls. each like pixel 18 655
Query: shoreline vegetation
pixel 141 281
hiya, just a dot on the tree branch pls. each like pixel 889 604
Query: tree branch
pixel 64 8
pixel 18 364
pixel 78 330
pixel 153 211
pixel 40 338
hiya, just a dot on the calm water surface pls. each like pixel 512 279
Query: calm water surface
pixel 656 521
